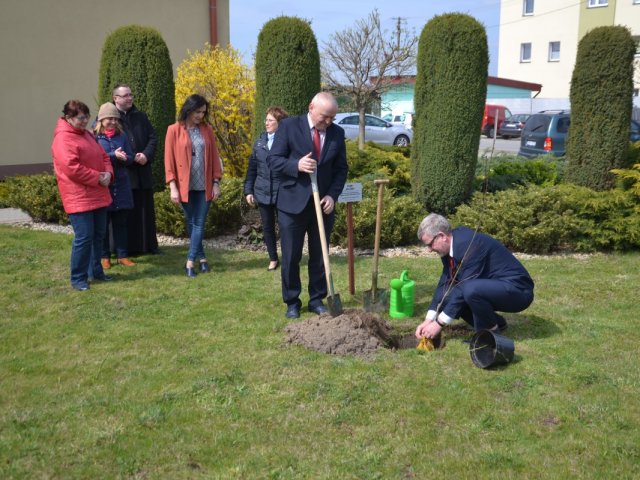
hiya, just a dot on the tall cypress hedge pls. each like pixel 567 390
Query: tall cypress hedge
pixel 450 91
pixel 601 103
pixel 287 67
pixel 139 57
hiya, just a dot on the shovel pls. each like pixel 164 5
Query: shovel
pixel 333 300
pixel 376 299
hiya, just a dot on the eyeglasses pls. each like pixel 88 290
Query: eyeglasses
pixel 430 244
pixel 126 95
pixel 82 118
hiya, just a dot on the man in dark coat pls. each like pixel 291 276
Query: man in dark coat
pixel 479 277
pixel 142 219
pixel 302 145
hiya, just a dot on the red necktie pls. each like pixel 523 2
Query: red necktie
pixel 452 266
pixel 316 144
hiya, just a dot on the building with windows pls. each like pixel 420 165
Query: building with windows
pixel 50 53
pixel 518 96
pixel 539 40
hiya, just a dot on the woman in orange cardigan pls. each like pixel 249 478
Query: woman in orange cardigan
pixel 193 171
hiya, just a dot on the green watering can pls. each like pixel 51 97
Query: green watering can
pixel 402 296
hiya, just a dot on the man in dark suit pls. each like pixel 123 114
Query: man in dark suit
pixel 302 145
pixel 479 276
pixel 142 136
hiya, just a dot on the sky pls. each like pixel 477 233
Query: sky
pixel 247 17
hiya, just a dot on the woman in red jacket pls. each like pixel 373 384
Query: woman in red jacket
pixel 83 171
pixel 193 171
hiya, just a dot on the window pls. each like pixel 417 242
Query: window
pixel 527 7
pixel 597 3
pixel 352 120
pixel 554 51
pixel 525 52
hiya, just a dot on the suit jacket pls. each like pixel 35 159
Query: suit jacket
pixel 143 140
pixel 177 159
pixel 478 256
pixel 260 181
pixel 292 142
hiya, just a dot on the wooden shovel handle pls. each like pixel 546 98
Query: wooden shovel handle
pixel 321 231
pixel 376 246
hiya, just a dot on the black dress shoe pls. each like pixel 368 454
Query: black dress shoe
pixel 293 311
pixel 204 267
pixel 318 309
pixel 502 323
pixel 191 272
pixel 275 267
pixel 103 278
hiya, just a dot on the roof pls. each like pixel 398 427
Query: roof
pixel 504 82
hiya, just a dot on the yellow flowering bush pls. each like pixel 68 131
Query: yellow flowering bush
pixel 218 74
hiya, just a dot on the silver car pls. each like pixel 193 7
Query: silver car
pixel 375 130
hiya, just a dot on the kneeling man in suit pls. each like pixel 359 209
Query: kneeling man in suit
pixel 479 277
pixel 303 144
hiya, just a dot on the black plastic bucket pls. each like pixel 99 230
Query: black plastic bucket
pixel 488 348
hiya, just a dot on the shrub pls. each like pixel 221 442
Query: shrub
pixel 507 172
pixel 374 162
pixel 287 67
pixel 225 214
pixel 400 219
pixel 37 195
pixel 556 218
pixel 601 93
pixel 219 75
pixel 450 91
pixel 139 57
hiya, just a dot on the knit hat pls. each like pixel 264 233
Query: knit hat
pixel 108 110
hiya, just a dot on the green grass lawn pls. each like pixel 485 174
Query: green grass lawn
pixel 155 375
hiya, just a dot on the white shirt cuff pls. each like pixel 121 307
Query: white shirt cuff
pixel 444 318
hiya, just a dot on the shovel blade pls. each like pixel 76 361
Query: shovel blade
pixel 335 305
pixel 376 303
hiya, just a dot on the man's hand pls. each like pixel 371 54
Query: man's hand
pixel 428 329
pixel 327 204
pixel 307 164
pixel 140 159
pixel 250 200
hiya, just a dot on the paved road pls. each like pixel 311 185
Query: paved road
pixel 510 146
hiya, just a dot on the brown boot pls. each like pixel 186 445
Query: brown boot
pixel 126 262
pixel 106 263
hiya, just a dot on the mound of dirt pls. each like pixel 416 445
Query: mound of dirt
pixel 355 332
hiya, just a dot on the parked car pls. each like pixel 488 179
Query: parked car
pixel 489 118
pixel 405 119
pixel 512 126
pixel 635 131
pixel 545 133
pixel 375 130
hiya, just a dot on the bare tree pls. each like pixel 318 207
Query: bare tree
pixel 362 62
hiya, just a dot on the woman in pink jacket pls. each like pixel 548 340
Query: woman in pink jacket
pixel 83 171
pixel 193 171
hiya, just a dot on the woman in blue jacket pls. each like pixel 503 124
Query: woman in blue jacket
pixel 115 143
pixel 261 184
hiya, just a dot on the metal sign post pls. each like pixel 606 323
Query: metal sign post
pixel 352 192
